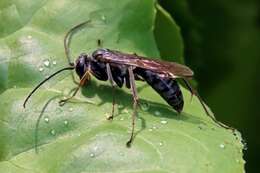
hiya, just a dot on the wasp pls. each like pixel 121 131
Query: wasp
pixel 123 69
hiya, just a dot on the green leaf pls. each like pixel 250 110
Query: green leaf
pixel 168 37
pixel 77 137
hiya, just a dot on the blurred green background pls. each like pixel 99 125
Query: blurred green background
pixel 222 46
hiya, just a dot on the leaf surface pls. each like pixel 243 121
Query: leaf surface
pixel 77 137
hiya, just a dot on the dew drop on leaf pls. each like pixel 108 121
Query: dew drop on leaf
pixel 95 148
pixel 103 17
pixel 46 63
pixel 53 132
pixel 157 113
pixel 40 69
pixel 46 119
pixel 70 109
pixel 164 122
pixel 92 155
pixel 66 122
pixel 154 127
pixel 222 146
pixel 245 144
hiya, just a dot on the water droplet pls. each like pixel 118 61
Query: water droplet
pixel 46 119
pixel 145 106
pixel 70 109
pixel 103 17
pixel 29 37
pixel 95 148
pixel 41 69
pixel 157 113
pixel 160 144
pixel 53 132
pixel 54 62
pixel 222 146
pixel 154 127
pixel 92 155
pixel 46 63
pixel 164 122
pixel 245 144
pixel 66 122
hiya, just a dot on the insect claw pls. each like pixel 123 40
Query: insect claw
pixel 110 118
pixel 129 143
pixel 62 102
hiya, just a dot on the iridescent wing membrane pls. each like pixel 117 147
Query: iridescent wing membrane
pixel 163 68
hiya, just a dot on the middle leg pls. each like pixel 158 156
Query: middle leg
pixel 135 103
pixel 110 78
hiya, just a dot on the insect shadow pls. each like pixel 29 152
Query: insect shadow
pixel 104 93
pixel 37 125
pixel 123 98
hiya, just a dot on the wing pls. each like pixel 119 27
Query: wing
pixel 163 68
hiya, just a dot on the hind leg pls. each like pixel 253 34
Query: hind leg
pixel 135 103
pixel 194 92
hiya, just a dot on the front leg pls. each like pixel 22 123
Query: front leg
pixel 85 78
pixel 135 103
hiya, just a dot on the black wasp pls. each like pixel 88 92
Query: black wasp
pixel 123 69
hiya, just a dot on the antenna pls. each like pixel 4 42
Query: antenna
pixel 67 40
pixel 42 82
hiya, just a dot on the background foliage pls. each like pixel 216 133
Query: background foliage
pixel 223 39
pixel 76 137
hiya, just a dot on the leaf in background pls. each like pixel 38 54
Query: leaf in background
pixel 168 37
pixel 77 137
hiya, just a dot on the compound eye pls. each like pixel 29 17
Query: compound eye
pixel 99 53
pixel 80 66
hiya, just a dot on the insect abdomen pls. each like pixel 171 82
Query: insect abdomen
pixel 168 88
